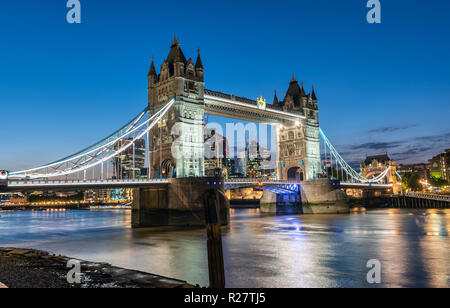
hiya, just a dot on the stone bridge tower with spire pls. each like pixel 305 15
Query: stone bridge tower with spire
pixel 299 143
pixel 176 144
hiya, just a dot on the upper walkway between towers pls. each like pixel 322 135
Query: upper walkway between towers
pixel 229 105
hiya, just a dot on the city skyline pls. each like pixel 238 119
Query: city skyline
pixel 95 75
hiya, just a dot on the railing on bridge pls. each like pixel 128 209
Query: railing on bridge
pixel 364 185
pixel 77 183
pixel 420 201
pixel 260 181
pixel 429 196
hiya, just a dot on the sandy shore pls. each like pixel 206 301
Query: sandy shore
pixel 27 268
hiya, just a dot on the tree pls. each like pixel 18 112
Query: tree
pixel 438 181
pixel 411 181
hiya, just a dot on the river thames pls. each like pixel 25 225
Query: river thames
pixel 260 251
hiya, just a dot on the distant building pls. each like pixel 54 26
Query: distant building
pixel 18 199
pixel 129 163
pixel 241 160
pixel 234 169
pixel 118 194
pixel 144 173
pixel 259 163
pixel 420 169
pixel 219 150
pixel 439 166
pixel 267 166
pixel 374 165
pixel 376 161
pixel 97 195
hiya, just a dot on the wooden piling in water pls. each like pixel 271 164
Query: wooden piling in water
pixel 215 250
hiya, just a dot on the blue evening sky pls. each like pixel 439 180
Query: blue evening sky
pixel 381 88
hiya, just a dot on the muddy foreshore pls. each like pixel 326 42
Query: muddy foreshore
pixel 28 268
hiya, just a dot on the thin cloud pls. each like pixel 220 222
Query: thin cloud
pixel 390 129
pixel 442 138
pixel 377 145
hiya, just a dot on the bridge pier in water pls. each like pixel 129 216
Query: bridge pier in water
pixel 180 203
pixel 281 204
pixel 314 197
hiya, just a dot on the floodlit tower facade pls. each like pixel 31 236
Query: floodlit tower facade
pixel 176 144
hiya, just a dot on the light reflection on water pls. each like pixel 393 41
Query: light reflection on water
pixel 260 251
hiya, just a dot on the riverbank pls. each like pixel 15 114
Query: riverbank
pixel 28 268
pixel 63 207
pixel 43 207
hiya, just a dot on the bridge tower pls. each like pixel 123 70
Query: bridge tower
pixel 176 145
pixel 299 143
pixel 312 139
pixel 392 178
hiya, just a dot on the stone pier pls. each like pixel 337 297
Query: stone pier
pixel 289 204
pixel 180 203
pixel 315 197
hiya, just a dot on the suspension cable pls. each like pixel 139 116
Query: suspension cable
pixel 90 163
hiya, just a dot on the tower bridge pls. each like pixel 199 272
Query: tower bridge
pixel 172 128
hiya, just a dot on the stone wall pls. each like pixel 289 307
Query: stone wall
pixel 180 203
pixel 315 197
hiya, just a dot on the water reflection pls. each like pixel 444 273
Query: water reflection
pixel 260 250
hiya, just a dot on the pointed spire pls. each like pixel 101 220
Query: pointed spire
pixel 175 54
pixel 303 93
pixel 275 98
pixel 314 97
pixel 175 40
pixel 198 63
pixel 152 71
pixel 293 78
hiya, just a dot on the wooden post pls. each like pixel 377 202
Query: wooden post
pixel 215 251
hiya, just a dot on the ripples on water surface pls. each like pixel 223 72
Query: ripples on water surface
pixel 260 251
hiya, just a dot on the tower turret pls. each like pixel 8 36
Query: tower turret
pixel 152 76
pixel 275 99
pixel 314 97
pixel 199 66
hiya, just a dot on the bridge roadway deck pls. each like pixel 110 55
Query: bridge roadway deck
pixel 27 185
pixel 82 184
pixel 373 186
